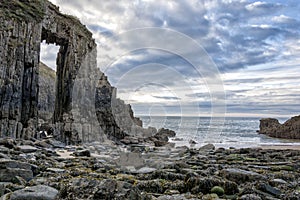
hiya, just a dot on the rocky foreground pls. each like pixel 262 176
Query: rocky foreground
pixel 47 169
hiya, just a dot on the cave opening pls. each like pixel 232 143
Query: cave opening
pixel 47 81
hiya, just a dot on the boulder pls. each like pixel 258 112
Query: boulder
pixel 9 169
pixel 39 192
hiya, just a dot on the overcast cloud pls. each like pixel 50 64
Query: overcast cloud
pixel 254 44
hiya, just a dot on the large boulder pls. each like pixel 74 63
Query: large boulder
pixel 161 138
pixel 289 130
pixel 39 192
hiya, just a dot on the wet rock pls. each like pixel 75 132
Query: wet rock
pixel 40 192
pixel 9 169
pixel 269 189
pixel 241 176
pixel 163 132
pixel 129 140
pixel 192 142
pixel 106 189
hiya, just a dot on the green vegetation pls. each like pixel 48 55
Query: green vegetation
pixel 23 10
pixel 218 190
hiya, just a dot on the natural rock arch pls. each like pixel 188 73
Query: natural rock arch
pixel 24 25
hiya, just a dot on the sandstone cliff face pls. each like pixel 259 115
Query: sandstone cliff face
pixel 289 130
pixel 82 106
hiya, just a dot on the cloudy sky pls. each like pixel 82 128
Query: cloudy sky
pixel 182 57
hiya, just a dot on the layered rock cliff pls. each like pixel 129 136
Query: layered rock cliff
pixel 77 102
pixel 288 130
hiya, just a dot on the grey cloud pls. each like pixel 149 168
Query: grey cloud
pixel 166 98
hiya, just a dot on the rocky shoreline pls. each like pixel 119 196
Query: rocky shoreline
pixel 48 169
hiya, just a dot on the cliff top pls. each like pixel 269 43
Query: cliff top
pixel 23 10
pixel 35 10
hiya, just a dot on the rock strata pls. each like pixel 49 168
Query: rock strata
pixel 74 104
pixel 288 130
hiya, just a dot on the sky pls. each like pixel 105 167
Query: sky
pixel 196 57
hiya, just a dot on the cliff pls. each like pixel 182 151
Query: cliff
pixel 77 102
pixel 46 101
pixel 288 130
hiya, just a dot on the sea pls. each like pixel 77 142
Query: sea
pixel 237 132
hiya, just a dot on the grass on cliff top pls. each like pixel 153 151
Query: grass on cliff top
pixel 46 71
pixel 22 10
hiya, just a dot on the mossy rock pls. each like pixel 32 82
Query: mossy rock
pixel 282 167
pixel 218 190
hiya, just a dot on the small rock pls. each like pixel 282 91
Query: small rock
pixel 250 197
pixel 55 170
pixel 192 142
pixel 40 192
pixel 145 170
pixel 84 152
pixel 210 197
pixel 207 147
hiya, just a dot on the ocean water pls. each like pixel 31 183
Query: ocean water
pixel 228 132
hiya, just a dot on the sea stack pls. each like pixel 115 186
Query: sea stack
pixel 288 130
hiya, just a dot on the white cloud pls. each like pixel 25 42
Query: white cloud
pixel 243 38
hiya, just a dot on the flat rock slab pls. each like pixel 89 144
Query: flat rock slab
pixel 40 192
pixel 27 148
